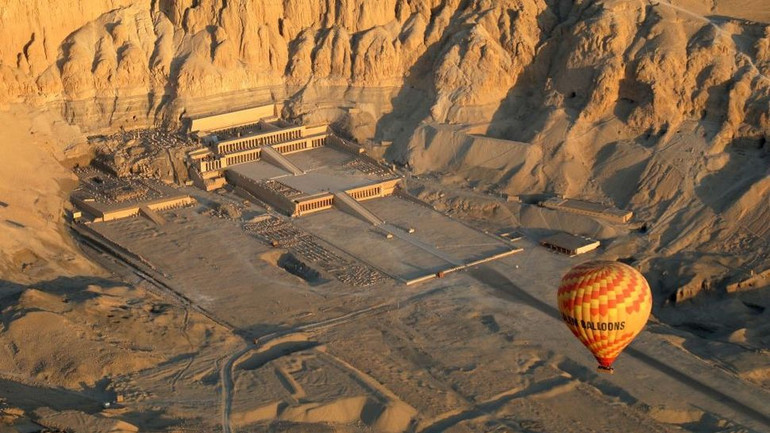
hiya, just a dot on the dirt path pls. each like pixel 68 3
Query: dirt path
pixel 192 350
pixel 226 376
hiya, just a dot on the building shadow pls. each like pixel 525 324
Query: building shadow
pixel 157 420
pixel 69 289
pixel 523 112
pixel 29 398
pixel 259 330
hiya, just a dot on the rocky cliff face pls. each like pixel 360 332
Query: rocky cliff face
pixel 653 65
pixel 602 91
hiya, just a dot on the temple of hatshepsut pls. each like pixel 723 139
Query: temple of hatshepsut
pixel 297 169
pixel 286 174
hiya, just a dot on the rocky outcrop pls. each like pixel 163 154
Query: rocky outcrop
pixel 654 66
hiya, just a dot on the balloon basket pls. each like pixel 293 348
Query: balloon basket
pixel 605 370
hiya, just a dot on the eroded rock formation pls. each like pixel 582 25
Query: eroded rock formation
pixel 598 90
pixel 652 65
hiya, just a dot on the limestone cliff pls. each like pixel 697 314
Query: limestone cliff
pixel 602 91
pixel 653 65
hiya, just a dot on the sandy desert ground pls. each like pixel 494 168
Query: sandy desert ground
pixel 485 108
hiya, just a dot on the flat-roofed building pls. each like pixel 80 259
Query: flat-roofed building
pixel 569 244
pixel 207 124
pixel 588 208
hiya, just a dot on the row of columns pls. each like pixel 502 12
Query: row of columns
pixel 304 207
pixel 371 192
pixel 247 143
pixel 239 159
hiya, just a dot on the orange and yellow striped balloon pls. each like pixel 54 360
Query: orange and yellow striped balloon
pixel 605 304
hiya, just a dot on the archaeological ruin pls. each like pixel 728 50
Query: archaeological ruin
pixel 340 213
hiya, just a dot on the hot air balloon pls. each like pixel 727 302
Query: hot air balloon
pixel 605 304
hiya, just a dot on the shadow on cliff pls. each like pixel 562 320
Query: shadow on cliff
pixel 66 286
pixel 525 110
pixel 412 106
pixel 70 289
pixel 30 398
pixel 523 113
pixel 747 164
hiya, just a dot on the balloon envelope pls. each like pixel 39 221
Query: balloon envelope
pixel 605 305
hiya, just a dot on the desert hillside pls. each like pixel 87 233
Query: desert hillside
pixel 652 65
pixel 486 107
pixel 660 107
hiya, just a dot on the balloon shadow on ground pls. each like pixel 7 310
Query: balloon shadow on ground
pixel 497 280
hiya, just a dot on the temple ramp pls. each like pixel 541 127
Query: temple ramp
pixel 348 204
pixel 274 157
pixel 152 215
